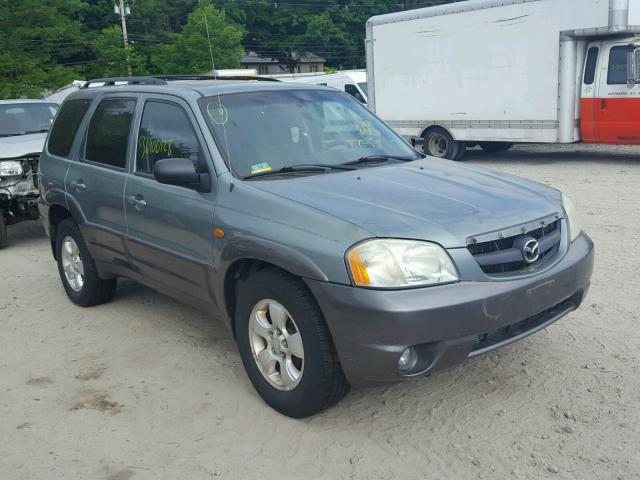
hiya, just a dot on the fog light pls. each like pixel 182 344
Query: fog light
pixel 407 359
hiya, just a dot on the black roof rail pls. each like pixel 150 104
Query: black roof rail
pixel 170 78
pixel 114 81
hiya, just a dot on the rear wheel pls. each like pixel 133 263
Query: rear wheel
pixel 78 270
pixel 439 143
pixel 3 231
pixel 495 147
pixel 285 345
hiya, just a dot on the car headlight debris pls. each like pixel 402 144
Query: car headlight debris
pixel 10 168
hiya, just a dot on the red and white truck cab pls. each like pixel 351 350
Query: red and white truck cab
pixel 610 99
pixel 499 72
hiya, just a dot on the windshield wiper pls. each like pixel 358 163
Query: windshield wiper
pixel 379 159
pixel 311 168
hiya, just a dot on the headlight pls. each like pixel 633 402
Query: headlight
pixel 573 221
pixel 10 168
pixel 400 264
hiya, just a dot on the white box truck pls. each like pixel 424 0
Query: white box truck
pixel 499 72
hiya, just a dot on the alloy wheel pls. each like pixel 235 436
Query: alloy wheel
pixel 276 344
pixel 72 264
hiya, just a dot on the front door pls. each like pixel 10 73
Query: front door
pixel 618 106
pixel 96 182
pixel 170 228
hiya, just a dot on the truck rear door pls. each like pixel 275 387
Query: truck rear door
pixel 617 106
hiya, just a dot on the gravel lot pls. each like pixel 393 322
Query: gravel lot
pixel 146 388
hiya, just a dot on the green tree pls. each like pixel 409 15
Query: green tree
pixel 111 57
pixel 189 52
pixel 41 45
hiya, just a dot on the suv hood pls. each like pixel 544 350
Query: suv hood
pixel 19 146
pixel 435 200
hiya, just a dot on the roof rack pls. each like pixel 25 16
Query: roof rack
pixel 115 81
pixel 174 78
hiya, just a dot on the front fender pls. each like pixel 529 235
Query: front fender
pixel 256 248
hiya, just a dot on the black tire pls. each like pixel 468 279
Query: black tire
pixel 495 147
pixel 3 231
pixel 94 291
pixel 461 152
pixel 323 382
pixel 439 143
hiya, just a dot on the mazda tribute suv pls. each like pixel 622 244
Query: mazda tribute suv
pixel 335 253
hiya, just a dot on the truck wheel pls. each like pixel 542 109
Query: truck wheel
pixel 495 147
pixel 78 270
pixel 439 143
pixel 285 345
pixel 3 231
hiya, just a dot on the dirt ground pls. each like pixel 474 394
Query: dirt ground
pixel 147 388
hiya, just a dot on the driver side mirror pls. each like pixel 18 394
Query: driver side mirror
pixel 182 173
pixel 633 66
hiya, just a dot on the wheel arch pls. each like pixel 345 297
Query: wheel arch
pixel 57 214
pixel 433 126
pixel 62 208
pixel 239 270
pixel 240 260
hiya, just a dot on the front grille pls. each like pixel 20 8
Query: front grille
pixel 485 341
pixel 501 255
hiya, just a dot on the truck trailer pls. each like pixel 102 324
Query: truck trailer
pixel 499 72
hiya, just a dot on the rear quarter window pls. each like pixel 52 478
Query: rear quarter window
pixel 66 126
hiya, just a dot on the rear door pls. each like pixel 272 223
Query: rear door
pixel 170 228
pixel 618 106
pixel 96 182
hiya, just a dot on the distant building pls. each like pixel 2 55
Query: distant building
pixel 304 63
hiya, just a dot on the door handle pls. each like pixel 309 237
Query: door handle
pixel 138 202
pixel 603 104
pixel 78 186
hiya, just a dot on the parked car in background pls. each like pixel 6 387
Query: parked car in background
pixel 495 73
pixel 336 254
pixel 23 128
pixel 353 82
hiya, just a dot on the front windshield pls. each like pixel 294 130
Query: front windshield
pixel 26 118
pixel 266 131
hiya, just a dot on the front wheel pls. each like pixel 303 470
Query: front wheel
pixel 78 270
pixel 285 345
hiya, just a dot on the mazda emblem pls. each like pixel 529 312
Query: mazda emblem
pixel 531 251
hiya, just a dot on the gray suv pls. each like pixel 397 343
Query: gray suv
pixel 335 253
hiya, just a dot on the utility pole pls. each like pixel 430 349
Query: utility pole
pixel 124 11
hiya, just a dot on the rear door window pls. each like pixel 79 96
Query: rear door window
pixel 66 125
pixel 166 132
pixel 109 130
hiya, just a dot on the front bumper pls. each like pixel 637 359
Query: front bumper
pixel 447 324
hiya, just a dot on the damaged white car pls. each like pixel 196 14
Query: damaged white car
pixel 23 128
